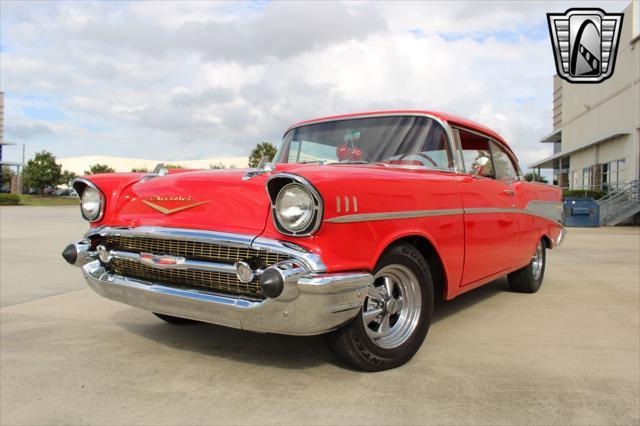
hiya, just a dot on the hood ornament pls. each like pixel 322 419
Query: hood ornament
pixel 263 167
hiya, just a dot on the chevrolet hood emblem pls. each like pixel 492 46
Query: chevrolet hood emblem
pixel 168 211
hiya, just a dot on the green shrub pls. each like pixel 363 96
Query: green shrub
pixel 596 194
pixel 9 199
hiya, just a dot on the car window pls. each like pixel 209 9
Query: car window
pixel 473 147
pixel 398 140
pixel 502 163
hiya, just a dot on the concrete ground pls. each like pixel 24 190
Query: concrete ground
pixel 569 354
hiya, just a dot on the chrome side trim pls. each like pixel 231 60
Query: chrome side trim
pixel 369 217
pixel 311 261
pixel 550 209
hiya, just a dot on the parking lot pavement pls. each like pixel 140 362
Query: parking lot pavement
pixel 568 354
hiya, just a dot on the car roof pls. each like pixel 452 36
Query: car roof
pixel 449 118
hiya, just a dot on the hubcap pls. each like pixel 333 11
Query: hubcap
pixel 392 307
pixel 536 262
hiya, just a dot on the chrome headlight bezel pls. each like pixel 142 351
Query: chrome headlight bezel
pixel 277 186
pixel 84 187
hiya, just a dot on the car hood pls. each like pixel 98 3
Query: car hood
pixel 210 199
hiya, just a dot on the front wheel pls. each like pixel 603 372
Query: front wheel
pixel 395 317
pixel 529 278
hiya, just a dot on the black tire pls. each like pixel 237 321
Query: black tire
pixel 529 279
pixel 174 320
pixel 352 342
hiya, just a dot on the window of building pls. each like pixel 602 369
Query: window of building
pixel 613 175
pixel 586 178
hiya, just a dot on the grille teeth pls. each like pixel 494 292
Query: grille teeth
pixel 219 282
pixel 191 249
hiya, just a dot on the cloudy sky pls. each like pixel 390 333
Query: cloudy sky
pixel 187 80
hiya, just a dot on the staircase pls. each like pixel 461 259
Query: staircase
pixel 621 204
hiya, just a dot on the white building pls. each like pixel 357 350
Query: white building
pixel 596 127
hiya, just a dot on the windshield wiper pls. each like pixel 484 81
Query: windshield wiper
pixel 312 162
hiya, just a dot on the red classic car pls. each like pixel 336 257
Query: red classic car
pixel 351 230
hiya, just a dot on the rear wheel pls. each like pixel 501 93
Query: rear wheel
pixel 395 317
pixel 174 320
pixel 529 278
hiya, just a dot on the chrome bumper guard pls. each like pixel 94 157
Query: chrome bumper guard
pixel 310 302
pixel 322 303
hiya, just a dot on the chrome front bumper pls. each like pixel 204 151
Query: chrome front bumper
pixel 322 303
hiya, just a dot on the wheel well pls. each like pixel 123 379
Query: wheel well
pixel 428 251
pixel 547 242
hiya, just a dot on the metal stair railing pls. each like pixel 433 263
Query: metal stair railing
pixel 621 204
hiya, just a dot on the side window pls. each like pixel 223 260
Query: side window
pixel 474 147
pixel 502 163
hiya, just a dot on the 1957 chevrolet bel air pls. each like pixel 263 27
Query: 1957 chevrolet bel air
pixel 351 230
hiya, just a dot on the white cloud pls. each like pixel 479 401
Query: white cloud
pixel 196 79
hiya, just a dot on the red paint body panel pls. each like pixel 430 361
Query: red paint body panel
pixel 474 247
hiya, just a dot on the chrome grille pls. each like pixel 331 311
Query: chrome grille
pixel 218 282
pixel 191 249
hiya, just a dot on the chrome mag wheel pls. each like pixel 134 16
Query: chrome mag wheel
pixel 537 262
pixel 392 307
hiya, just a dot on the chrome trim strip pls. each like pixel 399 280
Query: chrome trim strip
pixel 311 261
pixel 369 217
pixel 102 198
pixel 366 217
pixel 550 209
pixel 222 238
pixel 180 264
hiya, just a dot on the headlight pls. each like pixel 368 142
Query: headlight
pixel 295 207
pixel 91 204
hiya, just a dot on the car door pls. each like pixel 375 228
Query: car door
pixel 490 220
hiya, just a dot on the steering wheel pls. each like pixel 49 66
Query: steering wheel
pixel 418 157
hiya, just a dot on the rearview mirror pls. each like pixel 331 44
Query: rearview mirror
pixel 479 164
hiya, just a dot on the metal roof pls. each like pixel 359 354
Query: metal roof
pixel 547 163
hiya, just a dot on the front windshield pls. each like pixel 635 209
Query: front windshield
pixel 401 140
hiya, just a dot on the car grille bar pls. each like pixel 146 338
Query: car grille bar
pixel 195 251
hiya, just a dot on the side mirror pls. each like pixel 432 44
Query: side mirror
pixel 479 165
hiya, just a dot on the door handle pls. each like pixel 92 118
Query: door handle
pixel 509 192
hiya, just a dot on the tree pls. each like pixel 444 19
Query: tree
pixel 534 177
pixel 139 170
pixel 67 177
pixel 99 168
pixel 264 149
pixel 41 172
pixel 7 175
